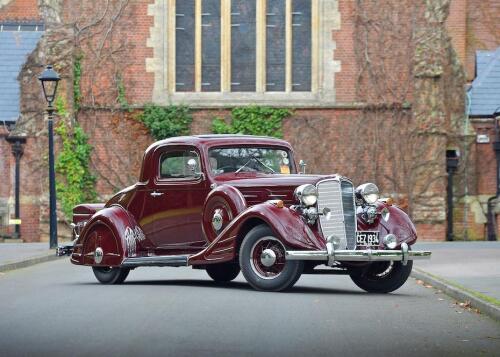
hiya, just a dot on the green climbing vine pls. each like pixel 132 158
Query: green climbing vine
pixel 77 77
pixel 253 120
pixel 168 121
pixel 121 98
pixel 75 183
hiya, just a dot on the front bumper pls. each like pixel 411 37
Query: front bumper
pixel 331 255
pixel 66 249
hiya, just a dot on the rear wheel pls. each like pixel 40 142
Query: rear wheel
pixel 224 272
pixel 263 264
pixel 109 275
pixel 382 277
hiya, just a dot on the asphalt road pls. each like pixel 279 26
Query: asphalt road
pixel 57 308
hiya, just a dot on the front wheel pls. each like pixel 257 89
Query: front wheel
pixel 381 277
pixel 109 275
pixel 263 264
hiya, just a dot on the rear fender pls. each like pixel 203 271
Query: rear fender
pixel 286 223
pixel 115 231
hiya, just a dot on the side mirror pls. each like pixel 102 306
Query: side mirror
pixel 302 165
pixel 193 167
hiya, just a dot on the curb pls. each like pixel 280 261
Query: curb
pixel 484 306
pixel 28 262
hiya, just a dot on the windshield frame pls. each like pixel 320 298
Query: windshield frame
pixel 291 157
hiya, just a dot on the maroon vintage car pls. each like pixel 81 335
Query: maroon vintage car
pixel 226 203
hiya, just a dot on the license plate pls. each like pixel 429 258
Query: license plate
pixel 367 239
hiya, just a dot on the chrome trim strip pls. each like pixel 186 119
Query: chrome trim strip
pixel 223 250
pixel 227 239
pixel 165 260
pixel 330 255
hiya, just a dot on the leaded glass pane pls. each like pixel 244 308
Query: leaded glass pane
pixel 243 46
pixel 210 27
pixel 275 46
pixel 301 52
pixel 184 45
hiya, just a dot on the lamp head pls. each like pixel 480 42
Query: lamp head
pixel 50 80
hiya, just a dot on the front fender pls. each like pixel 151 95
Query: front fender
pixel 287 225
pixel 397 223
pixel 115 231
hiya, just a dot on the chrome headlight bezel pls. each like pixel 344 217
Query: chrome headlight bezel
pixel 369 192
pixel 306 194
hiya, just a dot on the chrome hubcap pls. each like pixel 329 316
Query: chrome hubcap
pixel 98 254
pixel 268 257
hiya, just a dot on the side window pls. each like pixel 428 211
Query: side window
pixel 174 164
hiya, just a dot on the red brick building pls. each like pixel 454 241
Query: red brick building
pixel 377 88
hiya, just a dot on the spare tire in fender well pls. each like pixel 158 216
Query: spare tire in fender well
pixel 221 206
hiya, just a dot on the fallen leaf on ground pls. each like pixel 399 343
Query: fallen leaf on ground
pixel 465 304
pixel 420 282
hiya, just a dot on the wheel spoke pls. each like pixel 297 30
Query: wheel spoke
pixel 256 254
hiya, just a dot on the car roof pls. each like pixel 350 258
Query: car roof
pixel 210 140
pixel 204 142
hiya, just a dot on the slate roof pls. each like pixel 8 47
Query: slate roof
pixel 15 46
pixel 485 89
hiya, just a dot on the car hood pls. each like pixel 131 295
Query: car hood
pixel 257 187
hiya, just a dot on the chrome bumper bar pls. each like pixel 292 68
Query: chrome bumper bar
pixel 331 255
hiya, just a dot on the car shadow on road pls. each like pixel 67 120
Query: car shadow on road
pixel 235 285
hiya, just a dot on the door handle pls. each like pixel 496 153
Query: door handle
pixel 156 194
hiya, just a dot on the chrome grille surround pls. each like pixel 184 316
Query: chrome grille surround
pixel 338 196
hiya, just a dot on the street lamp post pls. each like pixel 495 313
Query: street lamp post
pixel 492 201
pixel 50 80
pixel 17 143
pixel 452 156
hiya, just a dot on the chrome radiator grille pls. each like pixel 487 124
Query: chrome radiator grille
pixel 339 198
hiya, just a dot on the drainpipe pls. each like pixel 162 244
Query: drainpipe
pixel 492 227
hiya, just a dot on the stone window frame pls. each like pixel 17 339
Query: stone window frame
pixel 325 19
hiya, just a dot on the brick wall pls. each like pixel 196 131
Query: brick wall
pixel 114 50
pixel 485 167
pixel 456 24
pixel 20 10
pixel 345 80
pixel 483 30
pixel 119 140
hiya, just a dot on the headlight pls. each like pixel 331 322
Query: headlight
pixel 307 194
pixel 369 192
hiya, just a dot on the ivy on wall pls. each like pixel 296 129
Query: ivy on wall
pixel 166 122
pixel 121 98
pixel 253 120
pixel 77 77
pixel 75 183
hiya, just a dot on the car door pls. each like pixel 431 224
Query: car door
pixel 173 202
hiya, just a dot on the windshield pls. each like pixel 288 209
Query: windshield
pixel 250 159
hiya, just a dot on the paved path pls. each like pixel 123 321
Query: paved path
pixel 58 309
pixel 14 252
pixel 474 265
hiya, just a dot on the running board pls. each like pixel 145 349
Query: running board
pixel 157 261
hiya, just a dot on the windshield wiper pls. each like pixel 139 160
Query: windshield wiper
pixel 258 161
pixel 267 167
